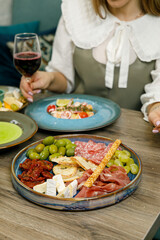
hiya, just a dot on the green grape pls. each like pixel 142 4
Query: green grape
pixel 123 158
pixel 117 153
pixel 127 168
pixel 134 168
pixel 110 163
pixel 127 153
pixel 130 161
pixel 117 162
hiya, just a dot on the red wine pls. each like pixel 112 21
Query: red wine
pixel 27 63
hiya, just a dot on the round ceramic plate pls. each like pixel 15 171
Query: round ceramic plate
pixel 28 126
pixel 73 204
pixel 11 89
pixel 106 112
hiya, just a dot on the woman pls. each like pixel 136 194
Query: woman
pixel 109 48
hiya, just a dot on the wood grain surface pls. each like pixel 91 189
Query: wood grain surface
pixel 128 220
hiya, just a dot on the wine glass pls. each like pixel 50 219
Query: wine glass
pixel 27 54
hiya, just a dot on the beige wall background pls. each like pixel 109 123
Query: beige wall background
pixel 5 12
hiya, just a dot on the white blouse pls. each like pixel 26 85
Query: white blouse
pixel 112 41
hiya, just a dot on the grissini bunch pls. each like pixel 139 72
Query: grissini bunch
pixel 102 165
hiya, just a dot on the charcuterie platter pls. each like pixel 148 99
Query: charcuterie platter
pixel 105 113
pixel 108 192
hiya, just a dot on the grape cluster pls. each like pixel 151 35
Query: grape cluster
pixel 123 158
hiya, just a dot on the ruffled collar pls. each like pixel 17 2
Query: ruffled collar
pixel 88 30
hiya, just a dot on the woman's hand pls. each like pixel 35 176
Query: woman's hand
pixel 39 80
pixel 154 116
pixel 52 81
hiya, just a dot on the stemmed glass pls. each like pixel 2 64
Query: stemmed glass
pixel 27 54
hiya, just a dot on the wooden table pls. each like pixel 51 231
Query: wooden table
pixel 130 219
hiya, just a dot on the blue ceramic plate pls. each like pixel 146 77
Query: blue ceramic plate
pixel 106 112
pixel 72 204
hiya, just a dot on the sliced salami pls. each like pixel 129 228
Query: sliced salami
pixel 91 150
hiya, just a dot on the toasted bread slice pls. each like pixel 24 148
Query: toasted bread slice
pixel 78 174
pixel 65 161
pixel 65 170
pixel 84 163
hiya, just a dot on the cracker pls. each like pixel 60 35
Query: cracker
pixel 65 161
pixel 78 174
pixel 65 170
pixel 84 163
pixel 102 165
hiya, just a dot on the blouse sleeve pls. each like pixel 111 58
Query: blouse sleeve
pixel 62 55
pixel 152 90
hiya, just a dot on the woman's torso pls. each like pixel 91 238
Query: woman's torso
pixel 90 75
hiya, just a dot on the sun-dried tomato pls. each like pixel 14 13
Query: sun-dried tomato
pixel 32 184
pixel 47 174
pixel 35 171
pixel 26 164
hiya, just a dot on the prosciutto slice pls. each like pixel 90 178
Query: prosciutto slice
pixel 110 180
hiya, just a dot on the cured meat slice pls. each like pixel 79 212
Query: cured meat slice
pixel 97 190
pixel 110 180
pixel 116 174
pixel 91 150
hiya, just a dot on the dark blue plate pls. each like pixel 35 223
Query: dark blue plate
pixel 75 204
pixel 106 112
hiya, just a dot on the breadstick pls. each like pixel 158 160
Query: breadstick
pixel 102 165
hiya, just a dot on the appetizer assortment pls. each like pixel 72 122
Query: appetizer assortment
pixel 12 101
pixel 61 168
pixel 70 109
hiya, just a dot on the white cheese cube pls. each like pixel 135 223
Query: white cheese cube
pixel 59 182
pixel 69 191
pixel 41 188
pixel 51 187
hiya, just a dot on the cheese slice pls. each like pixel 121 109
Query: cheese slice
pixel 59 183
pixel 69 191
pixel 51 187
pixel 16 93
pixel 41 188
pixel 13 100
